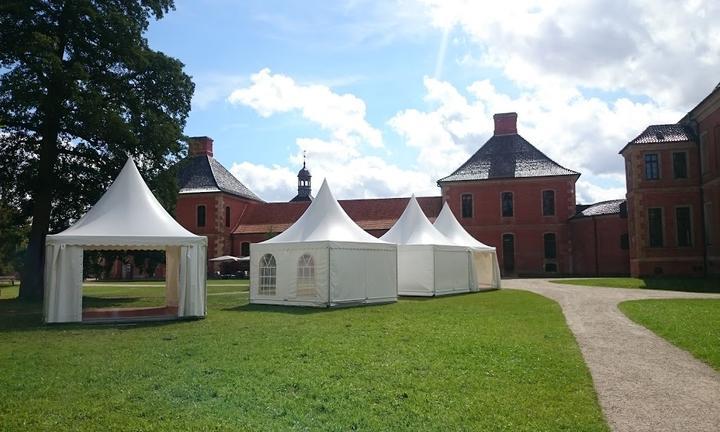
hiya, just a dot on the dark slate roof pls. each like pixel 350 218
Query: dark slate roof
pixel 599 209
pixel 507 156
pixel 664 133
pixel 299 198
pixel 205 174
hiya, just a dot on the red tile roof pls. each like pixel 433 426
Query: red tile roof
pixel 370 214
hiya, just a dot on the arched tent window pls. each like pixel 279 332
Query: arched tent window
pixel 306 276
pixel 268 275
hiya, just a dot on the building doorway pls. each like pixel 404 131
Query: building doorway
pixel 508 253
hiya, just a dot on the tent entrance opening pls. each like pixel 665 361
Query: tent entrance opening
pixel 121 284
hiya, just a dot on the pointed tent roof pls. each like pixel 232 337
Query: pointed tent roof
pixel 127 214
pixel 414 228
pixel 447 224
pixel 324 220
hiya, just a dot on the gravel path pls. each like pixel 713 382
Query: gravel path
pixel 643 382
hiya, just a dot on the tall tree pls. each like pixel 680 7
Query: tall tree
pixel 80 89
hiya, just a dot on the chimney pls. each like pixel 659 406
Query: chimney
pixel 505 123
pixel 201 145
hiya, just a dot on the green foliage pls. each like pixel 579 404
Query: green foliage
pixel 14 229
pixel 691 324
pixel 709 285
pixel 496 361
pixel 80 90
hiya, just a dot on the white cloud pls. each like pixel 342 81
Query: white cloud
pixel 342 115
pixel 669 51
pixel 342 158
pixel 213 87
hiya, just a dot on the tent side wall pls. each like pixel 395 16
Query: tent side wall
pixel 415 269
pixel 192 281
pixel 362 273
pixel 314 292
pixel 487 270
pixel 63 283
pixel 453 270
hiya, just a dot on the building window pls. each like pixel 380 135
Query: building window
pixel 244 249
pixel 708 225
pixel 550 246
pixel 306 277
pixel 624 241
pixel 683 225
pixel 227 216
pixel 680 165
pixel 467 205
pixel 507 204
pixel 508 253
pixel 548 198
pixel 655 226
pixel 268 275
pixel 201 216
pixel 652 167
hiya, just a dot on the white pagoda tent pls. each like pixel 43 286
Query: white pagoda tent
pixel 323 260
pixel 127 217
pixel 487 270
pixel 429 264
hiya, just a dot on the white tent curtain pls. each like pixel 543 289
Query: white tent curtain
pixel 63 283
pixel 192 295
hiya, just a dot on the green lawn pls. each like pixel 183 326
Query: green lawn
pixel 711 285
pixel 691 324
pixel 499 361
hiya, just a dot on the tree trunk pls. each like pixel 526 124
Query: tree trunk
pixel 31 287
pixel 32 283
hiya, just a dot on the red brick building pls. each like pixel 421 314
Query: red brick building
pixel 508 194
pixel 673 194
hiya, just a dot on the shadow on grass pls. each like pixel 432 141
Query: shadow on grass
pixel 299 310
pixel 699 285
pixel 108 302
pixel 705 285
pixel 19 315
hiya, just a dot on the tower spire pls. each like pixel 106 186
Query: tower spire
pixel 304 182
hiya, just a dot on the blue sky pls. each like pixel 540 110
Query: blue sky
pixel 387 97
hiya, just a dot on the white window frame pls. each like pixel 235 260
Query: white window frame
pixel 268 275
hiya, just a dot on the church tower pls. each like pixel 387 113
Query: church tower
pixel 304 187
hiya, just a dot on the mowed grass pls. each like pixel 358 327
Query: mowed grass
pixel 496 361
pixel 709 285
pixel 691 324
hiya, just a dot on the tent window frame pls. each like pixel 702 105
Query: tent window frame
pixel 268 275
pixel 306 281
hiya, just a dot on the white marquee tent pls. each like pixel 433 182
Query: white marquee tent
pixel 487 270
pixel 127 217
pixel 324 259
pixel 429 264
